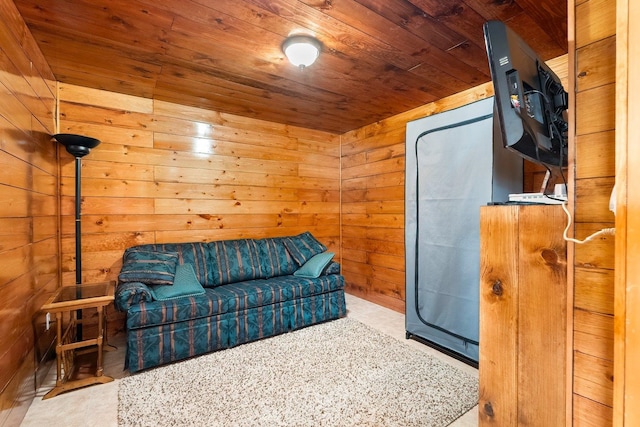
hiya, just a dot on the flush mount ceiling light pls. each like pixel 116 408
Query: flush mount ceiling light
pixel 301 50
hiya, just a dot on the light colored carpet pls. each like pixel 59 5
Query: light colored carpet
pixel 340 373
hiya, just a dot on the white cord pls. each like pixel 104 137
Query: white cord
pixel 604 231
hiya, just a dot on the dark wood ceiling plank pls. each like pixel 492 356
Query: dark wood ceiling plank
pixel 116 82
pixel 536 37
pixel 551 16
pixel 142 28
pixel 332 119
pixel 402 42
pixel 234 30
pixel 456 15
pixel 350 42
pixel 333 73
pixel 404 14
pixel 495 10
pixel 219 94
pixel 27 66
pixel 380 57
pixel 68 47
pixel 208 85
pixel 360 102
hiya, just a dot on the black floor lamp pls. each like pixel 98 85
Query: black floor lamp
pixel 78 146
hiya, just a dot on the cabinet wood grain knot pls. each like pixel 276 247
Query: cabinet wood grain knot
pixel 550 256
pixel 497 288
pixel 488 409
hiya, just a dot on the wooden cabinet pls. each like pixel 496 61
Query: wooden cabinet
pixel 523 316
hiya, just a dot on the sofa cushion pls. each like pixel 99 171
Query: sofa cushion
pixel 230 298
pixel 234 261
pixel 275 259
pixel 303 246
pixel 315 265
pixel 194 253
pixel 151 268
pixel 185 284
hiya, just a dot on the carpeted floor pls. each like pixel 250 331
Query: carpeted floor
pixel 340 373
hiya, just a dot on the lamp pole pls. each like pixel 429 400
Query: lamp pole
pixel 78 146
pixel 78 224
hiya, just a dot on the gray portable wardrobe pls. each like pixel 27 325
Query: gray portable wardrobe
pixel 453 167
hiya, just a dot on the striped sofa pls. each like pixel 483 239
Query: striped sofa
pixel 187 299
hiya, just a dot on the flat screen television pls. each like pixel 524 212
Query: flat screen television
pixel 530 102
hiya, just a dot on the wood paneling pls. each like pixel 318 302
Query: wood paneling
pixel 627 295
pixel 594 262
pixel 373 202
pixel 28 211
pixel 152 149
pixel 594 157
pixel 523 316
pixel 593 334
pixel 373 197
pixel 498 374
pixel 379 57
pixel 593 378
pixel 170 173
pixel 595 20
pixel 588 413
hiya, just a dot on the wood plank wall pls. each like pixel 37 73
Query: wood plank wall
pixel 626 400
pixel 28 210
pixel 595 29
pixel 373 162
pixel 373 168
pixel 170 173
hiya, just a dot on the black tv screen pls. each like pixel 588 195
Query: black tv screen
pixel 530 102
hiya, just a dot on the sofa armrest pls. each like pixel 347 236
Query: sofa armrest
pixel 332 268
pixel 131 293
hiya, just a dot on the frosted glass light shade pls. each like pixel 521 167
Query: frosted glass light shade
pixel 301 51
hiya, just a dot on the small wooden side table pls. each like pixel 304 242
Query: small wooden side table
pixel 68 299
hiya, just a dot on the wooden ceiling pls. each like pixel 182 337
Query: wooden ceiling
pixel 379 57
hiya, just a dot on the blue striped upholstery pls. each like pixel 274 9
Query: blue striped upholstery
pixel 153 346
pixel 131 293
pixel 148 267
pixel 195 254
pixel 250 293
pixel 303 247
pixel 156 345
pixel 234 261
pixel 275 258
pixel 247 259
pixel 230 298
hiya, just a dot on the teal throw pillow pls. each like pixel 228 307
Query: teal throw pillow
pixel 148 267
pixel 185 285
pixel 314 267
pixel 303 246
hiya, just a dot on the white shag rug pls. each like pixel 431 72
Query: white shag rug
pixel 340 373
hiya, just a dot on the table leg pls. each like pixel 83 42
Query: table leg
pixel 59 349
pixel 99 370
